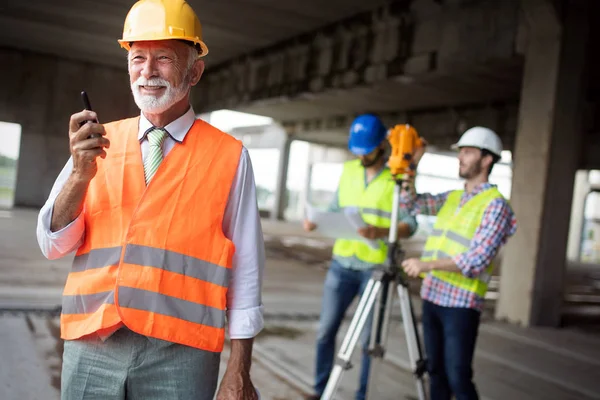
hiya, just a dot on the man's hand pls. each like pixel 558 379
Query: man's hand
pixel 236 383
pixel 309 226
pixel 408 186
pixel 414 267
pixel 84 148
pixel 236 386
pixel 372 232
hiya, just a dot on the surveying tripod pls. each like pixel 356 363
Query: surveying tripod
pixel 385 280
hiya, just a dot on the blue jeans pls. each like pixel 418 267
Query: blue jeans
pixel 132 366
pixel 449 336
pixel 342 285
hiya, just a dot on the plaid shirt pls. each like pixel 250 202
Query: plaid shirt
pixel 498 224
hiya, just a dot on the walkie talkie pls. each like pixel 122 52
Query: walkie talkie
pixel 88 106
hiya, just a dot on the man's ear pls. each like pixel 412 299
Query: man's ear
pixel 487 160
pixel 197 71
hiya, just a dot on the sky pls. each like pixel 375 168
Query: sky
pixel 10 139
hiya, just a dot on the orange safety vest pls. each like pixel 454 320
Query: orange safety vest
pixel 155 257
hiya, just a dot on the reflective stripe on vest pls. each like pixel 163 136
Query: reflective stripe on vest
pixel 452 235
pixel 148 300
pixel 155 258
pixel 378 213
pixel 375 205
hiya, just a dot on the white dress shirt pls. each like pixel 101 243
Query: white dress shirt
pixel 241 224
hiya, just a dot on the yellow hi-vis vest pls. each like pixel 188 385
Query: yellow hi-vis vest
pixel 452 234
pixel 375 205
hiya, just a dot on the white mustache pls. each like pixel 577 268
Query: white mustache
pixel 141 81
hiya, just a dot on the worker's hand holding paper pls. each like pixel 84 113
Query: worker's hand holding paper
pixel 339 225
pixel 353 215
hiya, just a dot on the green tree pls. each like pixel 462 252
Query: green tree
pixel 7 161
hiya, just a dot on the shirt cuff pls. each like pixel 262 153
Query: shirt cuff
pixel 63 241
pixel 245 324
pixel 73 225
pixel 412 224
pixel 468 269
pixel 463 264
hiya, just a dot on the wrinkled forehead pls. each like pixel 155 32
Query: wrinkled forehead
pixel 158 45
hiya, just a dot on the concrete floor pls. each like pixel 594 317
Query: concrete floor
pixel 511 362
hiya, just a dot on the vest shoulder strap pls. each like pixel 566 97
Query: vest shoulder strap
pixel 350 172
pixel 454 197
pixel 482 199
pixel 209 141
pixel 351 167
pixel 452 202
pixel 123 124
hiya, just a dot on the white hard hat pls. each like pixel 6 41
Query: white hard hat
pixel 482 138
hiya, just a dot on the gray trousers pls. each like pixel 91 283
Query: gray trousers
pixel 131 366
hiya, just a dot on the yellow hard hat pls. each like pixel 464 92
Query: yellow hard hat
pixel 162 20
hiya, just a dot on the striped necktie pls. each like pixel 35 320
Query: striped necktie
pixel 156 137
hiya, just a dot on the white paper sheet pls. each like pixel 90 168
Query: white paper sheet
pixel 339 225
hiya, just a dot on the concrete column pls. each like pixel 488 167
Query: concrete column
pixel 547 151
pixel 306 191
pixel 40 92
pixel 581 189
pixel 282 174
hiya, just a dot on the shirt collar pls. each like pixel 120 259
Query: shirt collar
pixel 176 129
pixel 480 188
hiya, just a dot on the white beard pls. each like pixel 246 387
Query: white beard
pixel 158 104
